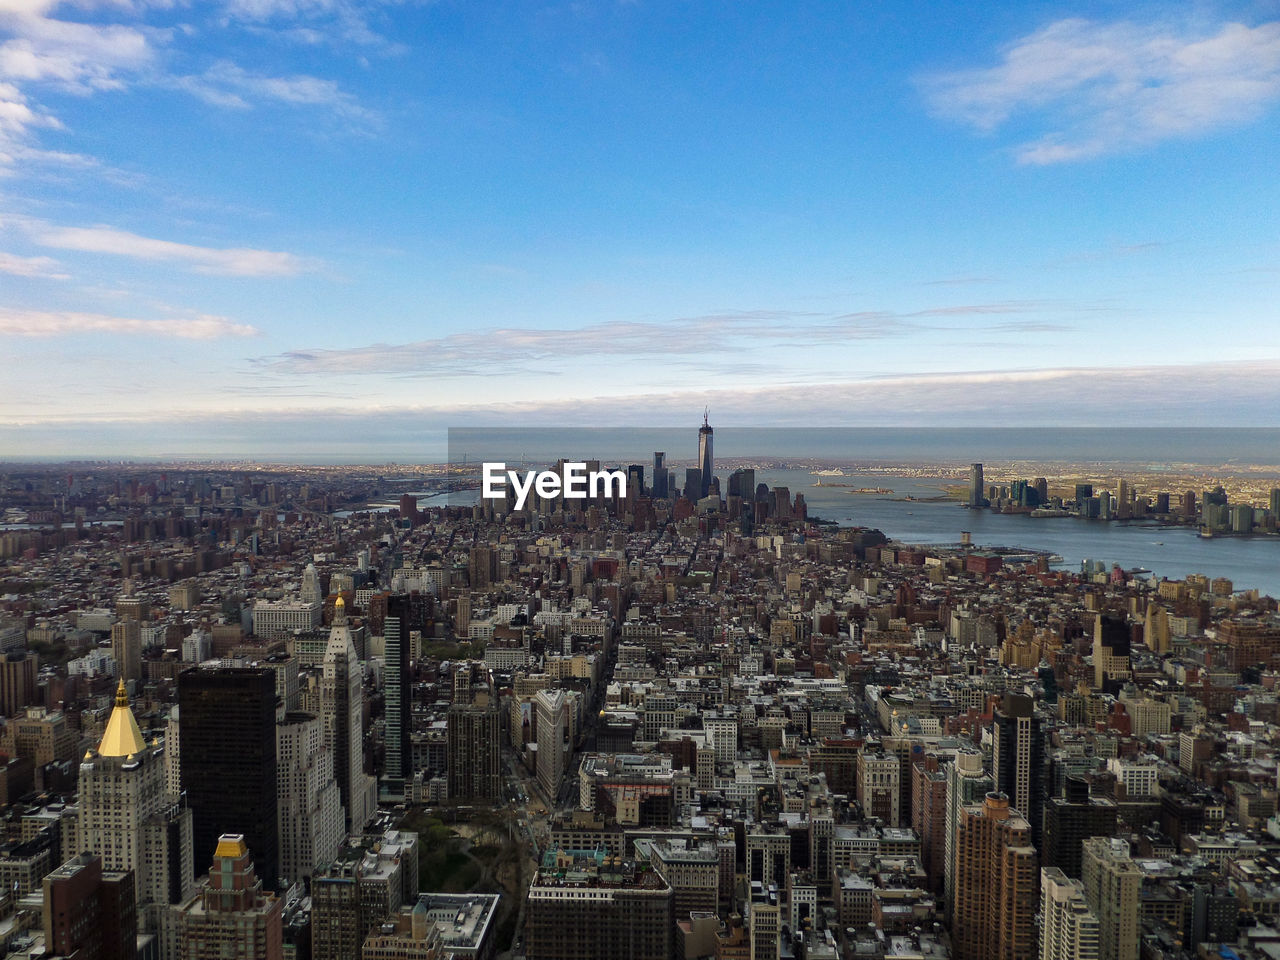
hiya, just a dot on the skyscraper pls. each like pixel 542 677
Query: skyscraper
pixel 398 705
pixel 1071 819
pixel 1112 885
pixel 342 709
pixel 126 648
pixel 312 824
pixel 706 459
pixel 1124 501
pixel 473 737
pixel 227 720
pixel 1111 666
pixel 1068 928
pixel 1017 758
pixel 996 873
pixel 967 784
pixel 231 916
pixel 660 475
pixel 554 747
pixel 130 821
pixel 17 681
pixel 692 484
pixel 310 592
pixel 977 495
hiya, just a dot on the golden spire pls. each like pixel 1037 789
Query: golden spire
pixel 122 737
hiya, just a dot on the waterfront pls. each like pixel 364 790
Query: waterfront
pixel 1173 552
pixel 1167 551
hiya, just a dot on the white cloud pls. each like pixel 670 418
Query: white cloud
pixel 228 85
pixel 512 350
pixel 45 267
pixel 79 57
pixel 40 48
pixel 1096 88
pixel 43 323
pixel 311 22
pixel 240 262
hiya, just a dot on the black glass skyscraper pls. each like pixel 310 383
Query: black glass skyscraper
pixel 1018 758
pixel 227 719
pixel 659 475
pixel 706 459
pixel 396 629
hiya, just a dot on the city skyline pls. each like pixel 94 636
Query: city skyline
pixel 225 220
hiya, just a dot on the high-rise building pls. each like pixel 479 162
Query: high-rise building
pixel 996 873
pixel 1071 819
pixel 368 882
pixel 742 483
pixel 231 916
pixel 17 681
pixel 1112 885
pixel 310 592
pixel 1156 631
pixel 977 493
pixel 967 784
pixel 1124 501
pixel 41 735
pixel 554 745
pixel 90 913
pixel 660 476
pixel 227 721
pixel 126 648
pixel 706 457
pixel 474 737
pixel 342 709
pixel 692 489
pixel 1110 653
pixel 1017 758
pixel 397 692
pixel 929 815
pixel 130 821
pixel 880 786
pixel 764 925
pixel 635 481
pixel 693 872
pixel 312 823
pixel 580 908
pixel 480 566
pixel 173 752
pixel 1068 928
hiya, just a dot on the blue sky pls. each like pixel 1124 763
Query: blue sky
pixel 219 220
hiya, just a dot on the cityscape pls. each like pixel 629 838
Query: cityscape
pixel 287 712
pixel 639 480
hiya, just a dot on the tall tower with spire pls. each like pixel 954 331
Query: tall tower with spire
pixel 706 460
pixel 342 709
pixel 130 819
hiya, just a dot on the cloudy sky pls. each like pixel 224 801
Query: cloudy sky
pixel 228 226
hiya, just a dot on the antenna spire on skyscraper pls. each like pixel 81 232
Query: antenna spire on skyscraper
pixel 706 416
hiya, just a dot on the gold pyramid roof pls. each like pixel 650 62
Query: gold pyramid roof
pixel 231 845
pixel 122 737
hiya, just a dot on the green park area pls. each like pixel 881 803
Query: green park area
pixel 476 851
